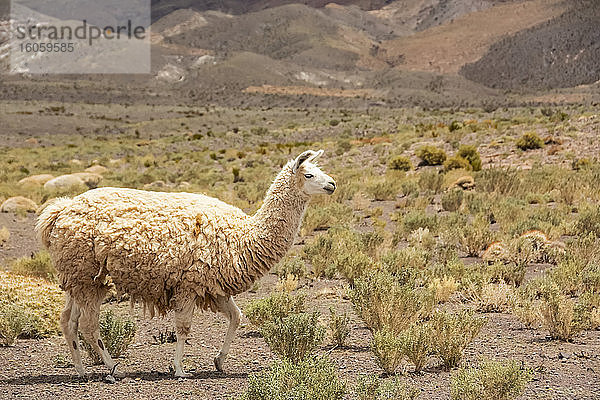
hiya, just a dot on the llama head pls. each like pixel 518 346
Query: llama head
pixel 309 176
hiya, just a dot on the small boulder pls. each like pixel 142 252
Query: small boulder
pixel 97 169
pixel 64 182
pixel 90 179
pixel 18 203
pixel 156 185
pixel 36 180
pixel 464 182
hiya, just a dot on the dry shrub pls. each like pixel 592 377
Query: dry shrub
pixel 339 327
pixel 382 300
pixel 312 378
pixel 38 265
pixel 40 301
pixel 318 218
pixel 287 284
pixel 295 336
pixel 416 344
pixel 444 288
pixel 558 316
pixel 387 348
pixel 452 333
pixel 494 297
pixel 276 306
pixel 342 250
pixel 493 380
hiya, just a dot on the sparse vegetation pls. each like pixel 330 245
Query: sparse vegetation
pixel 38 265
pixel 492 380
pixel 311 378
pixel 276 306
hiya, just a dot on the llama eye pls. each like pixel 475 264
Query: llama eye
pixel 308 176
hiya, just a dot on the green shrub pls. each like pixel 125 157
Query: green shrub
pixel 294 337
pixel 452 199
pixel 382 300
pixel 416 344
pixel 415 219
pixel 431 181
pixel 291 266
pixel 558 315
pixel 383 189
pixel 530 141
pixel 493 380
pixel 581 163
pixel 471 155
pixel 14 322
pixel 38 265
pixel 588 220
pixel 452 333
pixel 456 162
pixel 277 305
pixel 313 378
pixel 431 155
pixel 387 348
pixel 371 387
pixel 342 250
pixel 400 163
pixel 339 327
pixel 324 217
pixel 117 334
pixel 474 237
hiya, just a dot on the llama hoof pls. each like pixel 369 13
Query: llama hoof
pixel 219 364
pixel 115 373
pixel 109 379
pixel 182 374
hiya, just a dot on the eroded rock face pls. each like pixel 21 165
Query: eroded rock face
pixel 18 204
pixel 64 182
pixel 36 180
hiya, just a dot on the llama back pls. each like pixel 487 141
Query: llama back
pixel 147 242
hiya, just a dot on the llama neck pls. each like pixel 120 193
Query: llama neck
pixel 276 223
pixel 272 230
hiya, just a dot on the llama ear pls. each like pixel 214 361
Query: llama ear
pixel 315 155
pixel 307 155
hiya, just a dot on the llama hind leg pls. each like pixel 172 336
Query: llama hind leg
pixel 69 323
pixel 183 324
pixel 227 306
pixel 91 333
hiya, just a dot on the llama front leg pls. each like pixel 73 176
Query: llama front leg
pixel 183 323
pixel 227 306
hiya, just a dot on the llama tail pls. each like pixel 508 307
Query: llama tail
pixel 48 217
